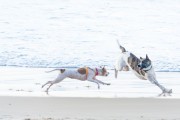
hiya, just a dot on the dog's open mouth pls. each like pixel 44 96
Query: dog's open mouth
pixel 139 66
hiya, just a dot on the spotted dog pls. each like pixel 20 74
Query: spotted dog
pixel 83 74
pixel 142 68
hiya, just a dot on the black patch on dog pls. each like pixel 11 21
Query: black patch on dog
pixel 62 70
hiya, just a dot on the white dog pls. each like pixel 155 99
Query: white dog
pixel 142 68
pixel 83 74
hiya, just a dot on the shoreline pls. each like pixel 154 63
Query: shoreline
pixel 68 67
pixel 28 81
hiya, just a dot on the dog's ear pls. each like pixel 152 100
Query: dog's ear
pixel 147 57
pixel 102 66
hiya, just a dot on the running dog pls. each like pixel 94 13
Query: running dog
pixel 142 68
pixel 82 74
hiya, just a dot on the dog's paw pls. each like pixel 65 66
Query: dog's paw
pixel 108 83
pixel 47 92
pixel 166 93
pixel 169 91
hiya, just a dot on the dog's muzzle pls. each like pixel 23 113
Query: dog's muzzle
pixel 107 74
pixel 140 66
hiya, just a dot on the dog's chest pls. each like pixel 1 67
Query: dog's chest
pixel 140 74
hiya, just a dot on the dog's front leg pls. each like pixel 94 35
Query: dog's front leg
pixel 94 81
pixel 103 83
pixel 153 80
pixel 165 91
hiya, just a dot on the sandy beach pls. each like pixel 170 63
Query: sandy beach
pixel 62 108
pixel 127 98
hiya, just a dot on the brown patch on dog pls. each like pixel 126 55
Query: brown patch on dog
pixel 142 72
pixel 133 62
pixel 62 70
pixel 126 68
pixel 82 71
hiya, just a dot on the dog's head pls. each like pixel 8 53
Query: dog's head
pixel 145 63
pixel 103 71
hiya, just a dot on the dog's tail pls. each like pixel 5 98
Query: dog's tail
pixel 121 47
pixel 61 70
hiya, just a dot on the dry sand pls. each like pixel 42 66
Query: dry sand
pixel 67 108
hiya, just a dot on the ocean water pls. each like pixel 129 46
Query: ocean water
pixel 76 33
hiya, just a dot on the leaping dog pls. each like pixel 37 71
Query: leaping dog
pixel 85 73
pixel 142 68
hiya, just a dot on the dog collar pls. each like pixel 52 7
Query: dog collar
pixel 148 68
pixel 96 72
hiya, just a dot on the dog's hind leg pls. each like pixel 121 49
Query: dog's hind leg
pixel 49 82
pixel 47 90
pixel 119 65
pixel 116 72
pixel 52 83
pixel 57 80
pixel 117 68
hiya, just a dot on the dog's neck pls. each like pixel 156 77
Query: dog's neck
pixel 148 68
pixel 96 72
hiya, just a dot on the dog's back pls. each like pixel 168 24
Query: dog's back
pixel 82 71
pixel 127 61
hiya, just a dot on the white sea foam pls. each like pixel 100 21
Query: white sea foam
pixel 57 33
